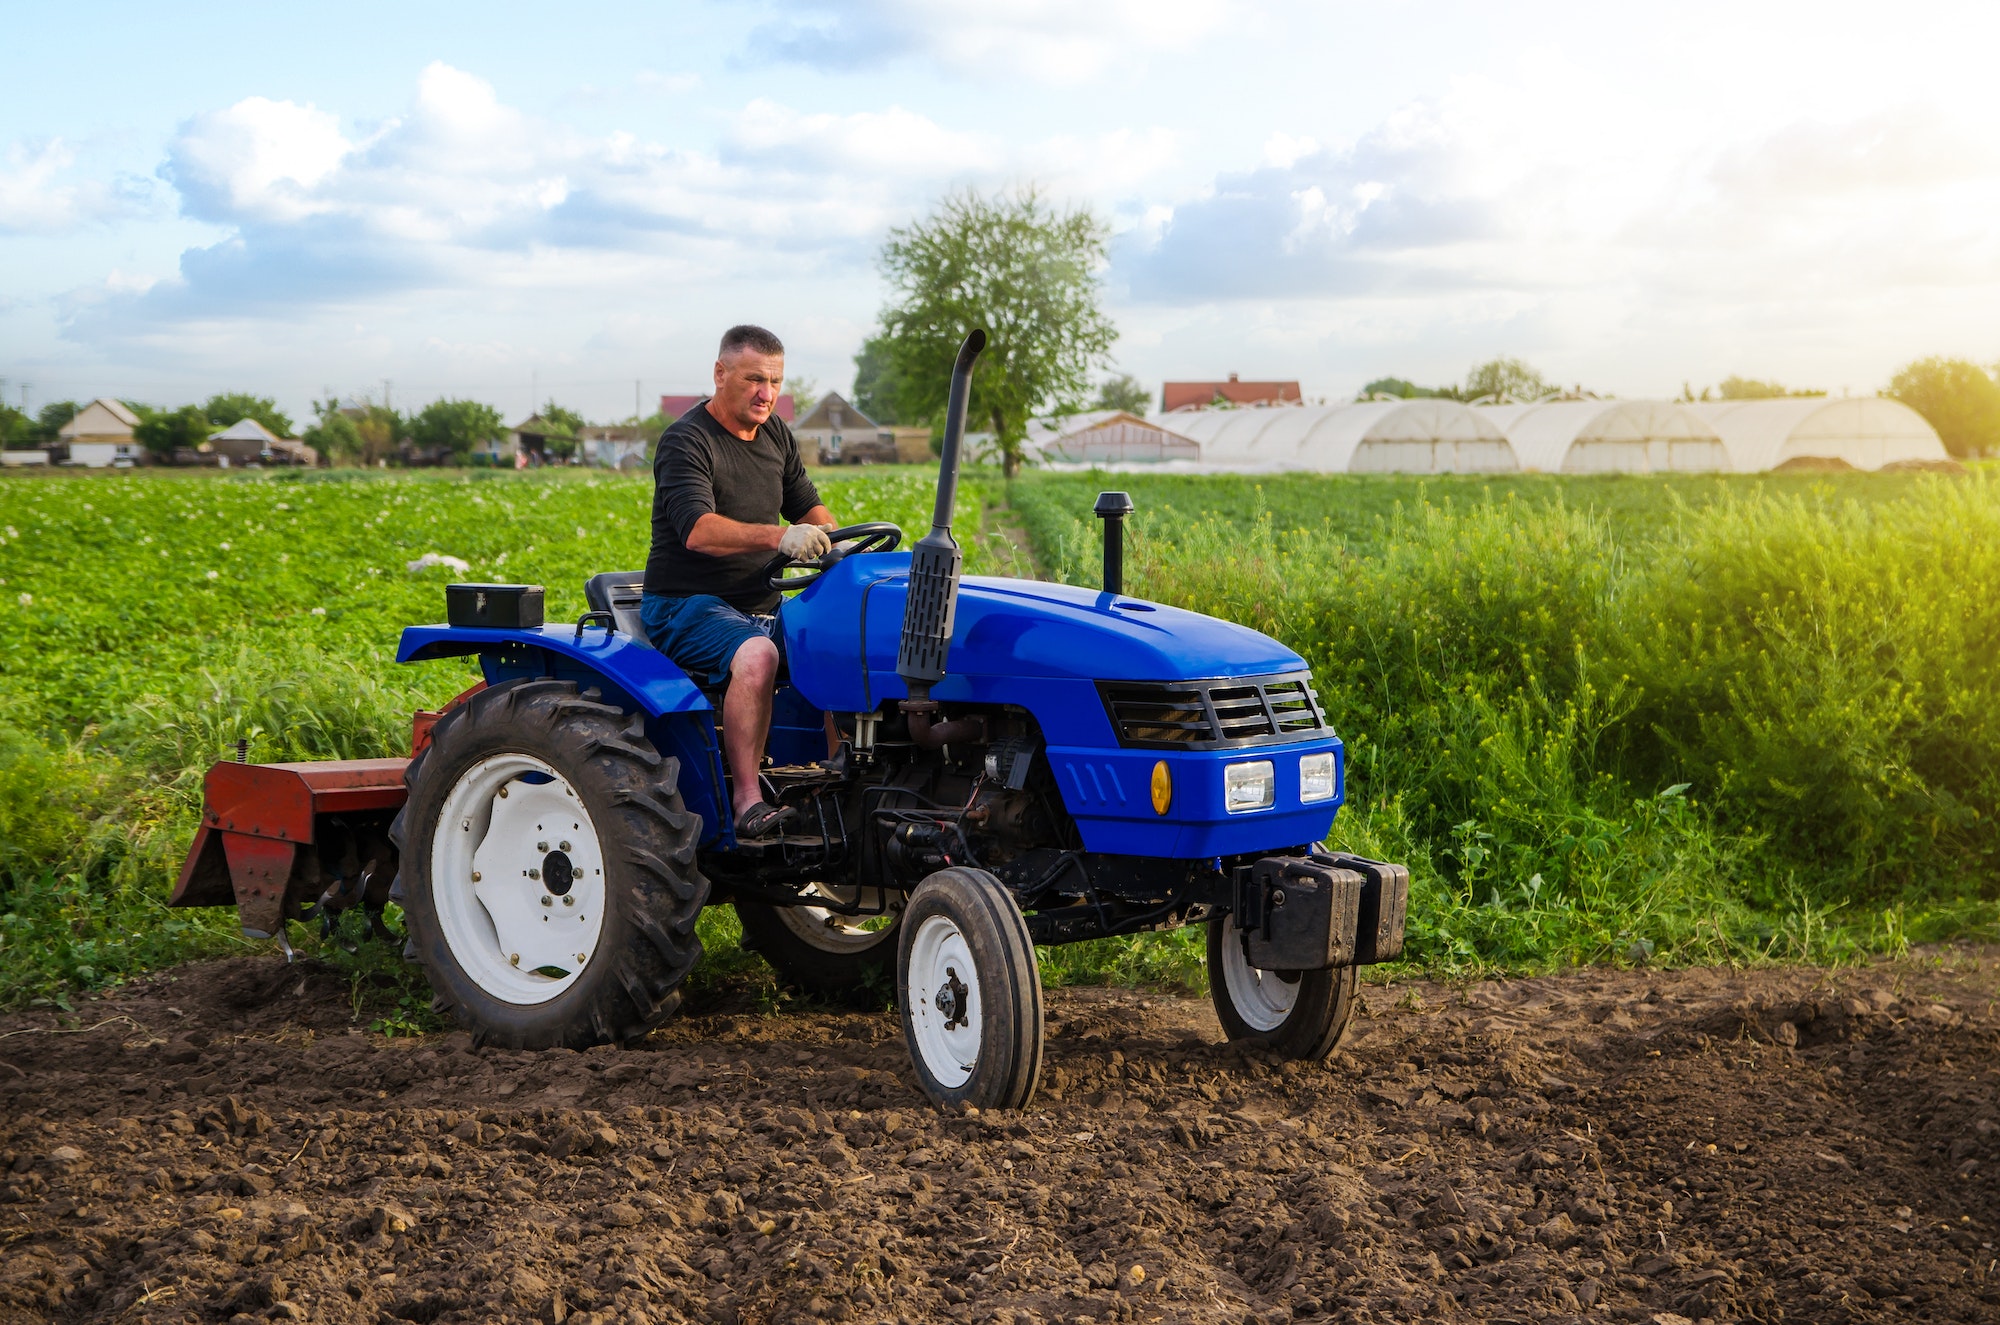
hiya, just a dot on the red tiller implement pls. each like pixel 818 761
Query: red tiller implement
pixel 286 842
pixel 293 841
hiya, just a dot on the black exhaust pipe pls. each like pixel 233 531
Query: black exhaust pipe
pixel 935 563
pixel 1112 508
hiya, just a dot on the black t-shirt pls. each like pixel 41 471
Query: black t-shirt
pixel 700 467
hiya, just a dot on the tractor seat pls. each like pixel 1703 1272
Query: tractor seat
pixel 618 592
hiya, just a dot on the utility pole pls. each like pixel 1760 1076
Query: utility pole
pixel 388 395
pixel 636 415
pixel 534 391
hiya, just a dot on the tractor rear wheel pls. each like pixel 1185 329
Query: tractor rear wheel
pixel 970 992
pixel 550 884
pixel 824 952
pixel 1298 1014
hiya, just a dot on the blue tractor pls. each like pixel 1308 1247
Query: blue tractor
pixel 1019 763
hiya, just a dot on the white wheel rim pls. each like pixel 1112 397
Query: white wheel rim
pixel 512 924
pixel 1262 998
pixel 832 931
pixel 944 1001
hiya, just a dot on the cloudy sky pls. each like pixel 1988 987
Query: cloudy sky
pixel 498 200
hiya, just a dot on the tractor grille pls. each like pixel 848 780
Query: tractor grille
pixel 1213 715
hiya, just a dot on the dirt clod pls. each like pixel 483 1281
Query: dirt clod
pixel 1657 1146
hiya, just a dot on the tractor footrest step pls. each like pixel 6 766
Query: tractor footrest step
pixel 782 840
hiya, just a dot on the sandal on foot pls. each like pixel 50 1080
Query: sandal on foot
pixel 761 820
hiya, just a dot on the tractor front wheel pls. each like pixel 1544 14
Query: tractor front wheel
pixel 969 992
pixel 1297 1014
pixel 550 883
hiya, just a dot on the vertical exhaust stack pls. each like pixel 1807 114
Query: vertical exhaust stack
pixel 1112 508
pixel 935 562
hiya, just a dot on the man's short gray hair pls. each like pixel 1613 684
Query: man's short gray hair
pixel 748 337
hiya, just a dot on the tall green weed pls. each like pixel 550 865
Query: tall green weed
pixel 1831 674
pixel 1765 730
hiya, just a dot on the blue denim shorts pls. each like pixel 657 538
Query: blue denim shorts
pixel 702 633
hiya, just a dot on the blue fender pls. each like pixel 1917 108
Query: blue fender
pixel 647 678
pixel 679 719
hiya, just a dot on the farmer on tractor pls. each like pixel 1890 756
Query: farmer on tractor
pixel 727 479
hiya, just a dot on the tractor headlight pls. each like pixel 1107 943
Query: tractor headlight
pixel 1249 786
pixel 1316 777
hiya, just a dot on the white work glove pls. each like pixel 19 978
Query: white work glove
pixel 804 542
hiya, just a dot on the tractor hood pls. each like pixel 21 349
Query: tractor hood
pixel 1006 632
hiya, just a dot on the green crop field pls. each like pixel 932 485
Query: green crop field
pixel 1604 720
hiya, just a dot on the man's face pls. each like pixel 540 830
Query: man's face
pixel 746 387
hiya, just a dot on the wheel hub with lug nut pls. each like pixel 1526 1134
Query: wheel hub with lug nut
pixel 946 1026
pixel 503 926
pixel 951 999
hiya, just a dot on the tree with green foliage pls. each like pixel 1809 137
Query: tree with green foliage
pixel 18 432
pixel 1026 272
pixel 1124 392
pixel 162 431
pixel 53 416
pixel 564 424
pixel 1750 388
pixel 567 421
pixel 877 383
pixel 456 426
pixel 338 438
pixel 382 430
pixel 229 407
pixel 355 434
pixel 1505 378
pixel 1396 386
pixel 1959 398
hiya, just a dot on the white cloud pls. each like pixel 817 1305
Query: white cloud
pixel 880 144
pixel 259 159
pixel 38 198
pixel 489 227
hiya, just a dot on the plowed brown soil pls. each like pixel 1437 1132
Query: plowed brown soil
pixel 221 1144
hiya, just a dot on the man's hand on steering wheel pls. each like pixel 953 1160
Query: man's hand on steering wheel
pixel 804 542
pixel 850 540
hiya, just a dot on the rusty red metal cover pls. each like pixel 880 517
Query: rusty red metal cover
pixel 280 800
pixel 423 720
pixel 254 819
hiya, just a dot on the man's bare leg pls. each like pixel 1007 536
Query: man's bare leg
pixel 746 717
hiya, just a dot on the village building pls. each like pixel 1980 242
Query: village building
pixel 1108 437
pixel 100 436
pixel 836 433
pixel 528 444
pixel 1204 395
pixel 248 442
pixel 626 446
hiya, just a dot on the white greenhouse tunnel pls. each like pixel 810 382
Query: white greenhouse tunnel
pixel 1369 437
pixel 1431 436
pixel 1866 432
pixel 1609 437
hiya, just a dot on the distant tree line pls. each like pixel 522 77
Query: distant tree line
pixel 1501 379
pixel 354 431
pixel 159 430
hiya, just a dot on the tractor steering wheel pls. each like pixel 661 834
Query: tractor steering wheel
pixel 872 536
